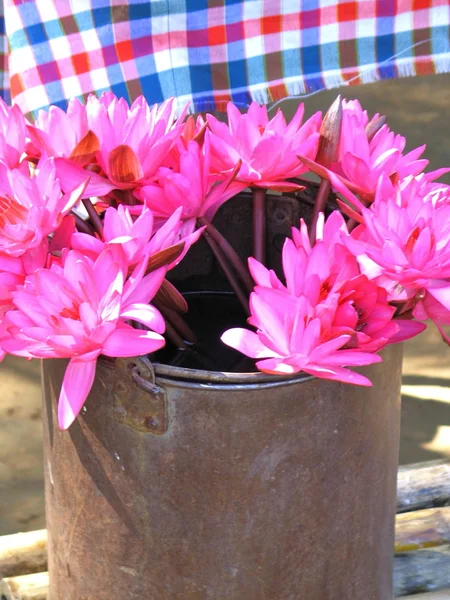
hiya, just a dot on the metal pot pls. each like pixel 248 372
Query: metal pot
pixel 184 485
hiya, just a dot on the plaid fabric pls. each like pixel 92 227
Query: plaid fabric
pixel 4 75
pixel 213 51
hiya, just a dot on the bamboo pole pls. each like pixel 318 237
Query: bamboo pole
pixel 25 587
pixel 35 587
pixel 442 595
pixel 422 571
pixel 413 572
pixel 423 485
pixel 22 553
pixel 422 529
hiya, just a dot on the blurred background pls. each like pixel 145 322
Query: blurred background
pixel 418 108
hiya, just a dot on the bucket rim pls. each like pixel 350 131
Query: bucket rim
pixel 198 377
pixel 219 379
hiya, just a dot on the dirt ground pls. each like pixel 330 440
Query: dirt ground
pixel 416 108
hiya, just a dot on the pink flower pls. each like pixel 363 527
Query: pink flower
pixel 193 130
pixel 368 150
pixel 13 134
pixel 191 187
pixel 133 143
pixel 79 311
pixel 14 270
pixel 325 317
pixel 31 207
pixel 136 237
pixel 427 307
pixel 403 244
pixel 57 133
pixel 12 275
pixel 267 149
pixel 290 338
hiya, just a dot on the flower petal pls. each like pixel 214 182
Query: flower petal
pixel 124 166
pixel 338 374
pixel 246 342
pixel 132 342
pixel 71 176
pixel 146 314
pixel 77 384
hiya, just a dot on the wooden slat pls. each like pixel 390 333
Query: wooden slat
pixel 442 595
pixel 415 571
pixel 35 587
pixel 25 587
pixel 422 571
pixel 423 485
pixel 426 528
pixel 23 553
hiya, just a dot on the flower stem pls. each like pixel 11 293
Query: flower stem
pixel 82 225
pixel 171 333
pixel 230 275
pixel 228 252
pixel 177 322
pixel 259 225
pixel 319 206
pixel 174 337
pixel 94 216
pixel 129 198
pixel 351 224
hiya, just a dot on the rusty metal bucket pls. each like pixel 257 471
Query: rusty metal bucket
pixel 194 487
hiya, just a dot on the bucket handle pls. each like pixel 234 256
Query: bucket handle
pixel 139 402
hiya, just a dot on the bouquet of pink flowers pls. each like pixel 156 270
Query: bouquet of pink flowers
pixel 99 203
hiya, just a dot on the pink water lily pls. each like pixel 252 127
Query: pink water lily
pixel 428 307
pixel 136 237
pixel 63 133
pixel 368 150
pixel 267 149
pixel 193 130
pixel 32 207
pixel 191 187
pixel 403 243
pixel 13 133
pixel 291 337
pixel 133 142
pixel 79 311
pixel 326 316
pixel 12 275
pixel 14 270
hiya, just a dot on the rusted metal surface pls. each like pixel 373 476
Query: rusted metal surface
pixel 277 491
pixel 138 401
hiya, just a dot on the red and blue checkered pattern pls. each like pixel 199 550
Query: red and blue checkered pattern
pixel 212 51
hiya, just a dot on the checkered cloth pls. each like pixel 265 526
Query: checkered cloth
pixel 213 51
